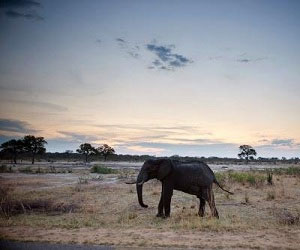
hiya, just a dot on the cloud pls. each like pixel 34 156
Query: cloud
pixel 243 58
pixel 166 59
pixel 18 126
pixel 45 105
pixel 120 40
pixel 77 137
pixel 15 14
pixel 146 150
pixel 19 4
pixel 283 142
pixel 168 149
pixel 131 50
pixel 12 5
pixel 99 41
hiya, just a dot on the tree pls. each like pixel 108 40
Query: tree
pixel 246 152
pixel 34 145
pixel 86 149
pixel 13 148
pixel 105 150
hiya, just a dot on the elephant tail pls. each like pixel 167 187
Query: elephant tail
pixel 215 181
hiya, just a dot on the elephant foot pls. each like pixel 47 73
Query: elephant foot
pixel 162 216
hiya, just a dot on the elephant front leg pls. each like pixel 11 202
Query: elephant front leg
pixel 160 212
pixel 167 196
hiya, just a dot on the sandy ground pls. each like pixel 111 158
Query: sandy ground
pixel 252 239
pixel 255 217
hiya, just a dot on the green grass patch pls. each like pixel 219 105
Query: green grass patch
pixel 293 170
pixel 103 170
pixel 221 177
pixel 251 178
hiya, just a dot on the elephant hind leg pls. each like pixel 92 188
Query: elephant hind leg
pixel 208 195
pixel 201 207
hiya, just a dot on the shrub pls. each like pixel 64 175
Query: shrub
pixel 103 170
pixel 270 178
pixel 5 169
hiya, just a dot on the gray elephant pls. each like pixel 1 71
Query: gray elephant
pixel 192 177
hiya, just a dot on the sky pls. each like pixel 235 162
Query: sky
pixel 189 78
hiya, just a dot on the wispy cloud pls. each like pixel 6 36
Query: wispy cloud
pixel 131 50
pixel 44 105
pixel 13 9
pixel 9 125
pixel 29 16
pixel 283 142
pixel 120 40
pixel 244 58
pixel 78 137
pixel 166 59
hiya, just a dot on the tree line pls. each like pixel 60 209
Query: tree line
pixel 33 146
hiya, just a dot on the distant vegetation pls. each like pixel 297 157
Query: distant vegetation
pixel 87 149
pixel 29 145
pixel 103 170
pixel 32 148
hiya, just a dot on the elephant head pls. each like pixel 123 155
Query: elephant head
pixel 151 169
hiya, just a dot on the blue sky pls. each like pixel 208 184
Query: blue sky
pixel 152 77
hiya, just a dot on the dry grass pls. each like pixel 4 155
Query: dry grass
pixel 113 207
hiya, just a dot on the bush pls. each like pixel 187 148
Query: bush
pixel 5 169
pixel 103 170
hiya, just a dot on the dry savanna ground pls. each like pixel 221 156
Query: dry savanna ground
pixel 80 207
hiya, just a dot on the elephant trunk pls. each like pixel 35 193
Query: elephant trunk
pixel 139 187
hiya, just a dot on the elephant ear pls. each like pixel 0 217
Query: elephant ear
pixel 164 168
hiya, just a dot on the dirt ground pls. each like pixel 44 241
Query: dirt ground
pixel 79 207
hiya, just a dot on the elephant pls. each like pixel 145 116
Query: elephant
pixel 192 177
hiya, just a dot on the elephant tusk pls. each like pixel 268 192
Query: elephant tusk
pixel 141 183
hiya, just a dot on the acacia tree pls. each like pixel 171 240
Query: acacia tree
pixel 86 149
pixel 34 145
pixel 246 152
pixel 13 148
pixel 105 150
